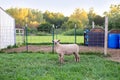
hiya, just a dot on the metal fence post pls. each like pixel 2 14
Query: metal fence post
pixel 75 33
pixel 56 32
pixel 24 35
pixel 53 38
pixel 26 38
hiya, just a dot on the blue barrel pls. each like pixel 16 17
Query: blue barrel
pixel 113 40
pixel 86 36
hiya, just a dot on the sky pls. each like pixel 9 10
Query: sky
pixel 66 7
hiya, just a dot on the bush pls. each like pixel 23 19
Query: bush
pixel 43 34
pixel 58 31
pixel 70 32
pixel 12 46
pixel 31 31
pixel 46 27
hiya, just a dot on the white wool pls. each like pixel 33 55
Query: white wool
pixel 66 48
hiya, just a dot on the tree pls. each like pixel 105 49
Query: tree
pixel 25 15
pixel 99 20
pixel 54 18
pixel 46 27
pixel 91 15
pixel 114 17
pixel 80 17
pixel 68 25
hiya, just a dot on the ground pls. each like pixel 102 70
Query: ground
pixel 114 53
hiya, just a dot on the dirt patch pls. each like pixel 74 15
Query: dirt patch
pixel 114 53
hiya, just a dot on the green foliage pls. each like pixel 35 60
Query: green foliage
pixel 31 30
pixel 1 51
pixel 114 17
pixel 42 34
pixel 91 15
pixel 99 20
pixel 12 46
pixel 68 25
pixel 8 47
pixel 45 27
pixel 58 31
pixel 46 66
pixel 70 32
pixel 25 15
pixel 54 18
pixel 35 18
pixel 80 17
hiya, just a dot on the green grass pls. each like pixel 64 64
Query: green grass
pixel 36 66
pixel 48 39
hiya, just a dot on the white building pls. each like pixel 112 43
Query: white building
pixel 7 30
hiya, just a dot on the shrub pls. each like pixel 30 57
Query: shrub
pixel 43 34
pixel 71 32
pixel 46 27
pixel 12 46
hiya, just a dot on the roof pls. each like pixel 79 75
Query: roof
pixel 6 12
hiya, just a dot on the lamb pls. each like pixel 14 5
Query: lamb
pixel 66 49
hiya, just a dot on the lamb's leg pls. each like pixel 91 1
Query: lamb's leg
pixel 61 58
pixel 76 57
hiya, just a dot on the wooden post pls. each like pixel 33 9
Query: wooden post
pixel 106 36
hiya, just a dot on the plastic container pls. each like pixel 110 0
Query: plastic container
pixel 86 37
pixel 113 41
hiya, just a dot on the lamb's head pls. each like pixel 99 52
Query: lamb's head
pixel 56 42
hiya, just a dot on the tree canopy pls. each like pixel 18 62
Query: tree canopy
pixel 114 16
pixel 79 17
pixel 28 16
pixel 35 18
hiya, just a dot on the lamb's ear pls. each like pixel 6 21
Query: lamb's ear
pixel 58 40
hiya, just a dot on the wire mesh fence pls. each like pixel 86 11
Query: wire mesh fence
pixel 45 37
pixel 95 38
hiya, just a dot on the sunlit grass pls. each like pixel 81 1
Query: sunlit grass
pixel 36 66
pixel 48 39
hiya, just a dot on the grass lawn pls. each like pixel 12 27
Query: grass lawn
pixel 48 39
pixel 37 66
